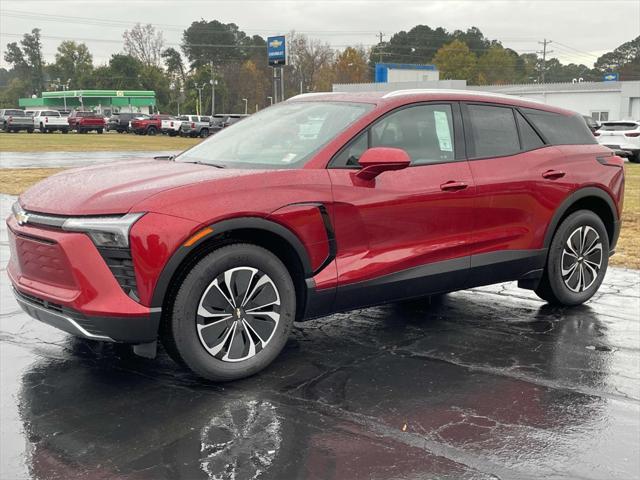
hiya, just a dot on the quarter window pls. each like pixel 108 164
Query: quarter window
pixel 493 130
pixel 528 137
pixel 560 129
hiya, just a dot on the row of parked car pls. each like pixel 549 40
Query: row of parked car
pixel 46 121
pixel 184 125
pixel 622 136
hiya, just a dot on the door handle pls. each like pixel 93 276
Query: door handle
pixel 453 186
pixel 553 174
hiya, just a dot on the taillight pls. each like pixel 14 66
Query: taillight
pixel 10 119
pixel 632 134
pixel 193 125
pixel 171 124
pixel 596 134
pixel 46 119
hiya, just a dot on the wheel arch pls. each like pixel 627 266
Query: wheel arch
pixel 589 198
pixel 267 234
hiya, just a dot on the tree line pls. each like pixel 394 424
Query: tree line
pixel 237 63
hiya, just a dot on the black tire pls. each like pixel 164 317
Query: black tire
pixel 4 127
pixel 204 133
pixel 100 131
pixel 42 129
pixel 181 336
pixel 151 131
pixel 560 287
pixel 65 130
pixel 635 158
pixel 29 130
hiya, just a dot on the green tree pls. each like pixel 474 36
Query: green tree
pixel 217 42
pixel 74 63
pixel 27 59
pixel 497 66
pixel 456 62
pixel 628 52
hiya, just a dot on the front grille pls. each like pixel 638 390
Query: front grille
pixel 120 263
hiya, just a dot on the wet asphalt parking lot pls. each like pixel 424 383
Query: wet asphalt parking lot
pixel 70 159
pixel 486 383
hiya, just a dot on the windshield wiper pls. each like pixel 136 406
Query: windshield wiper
pixel 217 165
pixel 165 157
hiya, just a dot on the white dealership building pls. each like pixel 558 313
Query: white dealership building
pixel 599 100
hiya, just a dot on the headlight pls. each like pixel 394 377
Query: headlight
pixel 104 231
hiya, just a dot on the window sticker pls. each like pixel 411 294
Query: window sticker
pixel 442 131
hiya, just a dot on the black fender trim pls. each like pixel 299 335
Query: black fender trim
pixel 573 198
pixel 256 223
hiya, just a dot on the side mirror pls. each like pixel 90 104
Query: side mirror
pixel 376 160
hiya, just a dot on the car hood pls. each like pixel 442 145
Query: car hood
pixel 115 188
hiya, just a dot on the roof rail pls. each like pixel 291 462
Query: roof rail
pixel 313 94
pixel 417 91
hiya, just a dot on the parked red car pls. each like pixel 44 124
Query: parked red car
pixel 83 122
pixel 151 125
pixel 322 203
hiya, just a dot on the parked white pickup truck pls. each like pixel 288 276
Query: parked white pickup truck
pixel 170 126
pixel 49 121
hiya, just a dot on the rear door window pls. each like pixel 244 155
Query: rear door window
pixel 493 131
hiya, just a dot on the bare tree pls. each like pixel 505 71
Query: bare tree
pixel 312 62
pixel 145 43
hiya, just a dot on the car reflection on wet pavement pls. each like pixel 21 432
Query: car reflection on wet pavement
pixel 486 383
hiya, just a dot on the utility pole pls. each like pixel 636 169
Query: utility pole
pixel 381 35
pixel 544 52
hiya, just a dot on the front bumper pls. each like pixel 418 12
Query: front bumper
pixel 61 279
pixel 109 329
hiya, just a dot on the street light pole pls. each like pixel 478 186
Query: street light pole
pixel 213 91
pixel 199 88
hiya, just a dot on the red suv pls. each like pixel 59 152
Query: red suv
pixel 323 203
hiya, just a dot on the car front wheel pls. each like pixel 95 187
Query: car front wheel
pixel 232 314
pixel 577 260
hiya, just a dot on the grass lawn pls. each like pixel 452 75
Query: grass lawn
pixel 14 181
pixel 91 142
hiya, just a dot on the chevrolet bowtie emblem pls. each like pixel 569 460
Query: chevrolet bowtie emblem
pixel 238 312
pixel 275 43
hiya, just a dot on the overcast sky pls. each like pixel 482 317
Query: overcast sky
pixel 581 30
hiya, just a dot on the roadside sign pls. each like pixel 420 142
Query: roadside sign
pixel 610 77
pixel 276 51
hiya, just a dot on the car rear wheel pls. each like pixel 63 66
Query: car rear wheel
pixel 577 260
pixel 232 314
pixel 204 133
pixel 635 158
pixel 151 131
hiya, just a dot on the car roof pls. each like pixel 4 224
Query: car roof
pixel 400 97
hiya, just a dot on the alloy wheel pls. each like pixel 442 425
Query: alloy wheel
pixel 238 314
pixel 581 259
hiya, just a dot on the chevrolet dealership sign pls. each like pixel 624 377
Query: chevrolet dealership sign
pixel 276 51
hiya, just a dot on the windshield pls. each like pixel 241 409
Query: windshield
pixel 283 136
